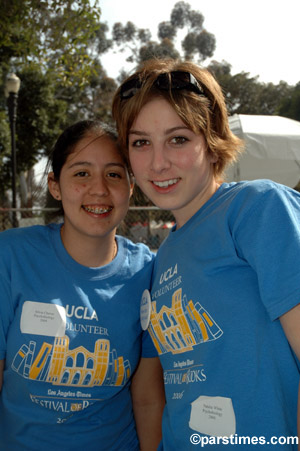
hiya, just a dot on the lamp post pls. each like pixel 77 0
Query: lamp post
pixel 11 91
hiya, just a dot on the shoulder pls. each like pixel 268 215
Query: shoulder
pixel 135 250
pixel 136 254
pixel 11 236
pixel 251 186
pixel 262 203
pixel 23 237
pixel 256 191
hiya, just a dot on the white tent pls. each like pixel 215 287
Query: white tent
pixel 272 149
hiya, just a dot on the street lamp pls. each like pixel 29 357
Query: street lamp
pixel 11 91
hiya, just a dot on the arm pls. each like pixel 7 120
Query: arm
pixel 298 418
pixel 290 322
pixel 1 372
pixel 148 400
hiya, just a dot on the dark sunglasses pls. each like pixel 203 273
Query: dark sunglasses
pixel 168 80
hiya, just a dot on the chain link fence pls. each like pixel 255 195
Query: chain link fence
pixel 148 225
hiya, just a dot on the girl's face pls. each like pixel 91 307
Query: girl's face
pixel 94 187
pixel 170 162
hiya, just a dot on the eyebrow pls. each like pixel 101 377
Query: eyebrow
pixel 169 130
pixel 88 163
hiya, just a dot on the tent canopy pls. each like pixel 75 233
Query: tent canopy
pixel 272 149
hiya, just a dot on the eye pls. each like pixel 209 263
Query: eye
pixel 119 172
pixel 82 174
pixel 179 140
pixel 114 175
pixel 140 143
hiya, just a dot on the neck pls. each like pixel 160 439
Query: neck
pixel 92 252
pixel 182 216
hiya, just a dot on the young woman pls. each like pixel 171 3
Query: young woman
pixel 70 332
pixel 226 284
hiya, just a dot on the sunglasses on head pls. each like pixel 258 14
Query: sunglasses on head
pixel 175 80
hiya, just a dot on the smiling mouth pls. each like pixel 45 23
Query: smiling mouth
pixel 165 183
pixel 97 210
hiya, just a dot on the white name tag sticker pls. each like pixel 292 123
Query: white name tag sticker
pixel 40 318
pixel 213 415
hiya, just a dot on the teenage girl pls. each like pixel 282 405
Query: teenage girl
pixel 70 332
pixel 226 284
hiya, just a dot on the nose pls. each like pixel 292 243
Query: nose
pixel 160 161
pixel 98 186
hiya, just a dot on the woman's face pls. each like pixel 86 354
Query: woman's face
pixel 170 162
pixel 94 187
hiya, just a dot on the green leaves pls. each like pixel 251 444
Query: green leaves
pixel 138 42
pixel 55 47
pixel 54 34
pixel 246 95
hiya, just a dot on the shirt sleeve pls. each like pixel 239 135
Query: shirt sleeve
pixel 148 348
pixel 6 312
pixel 268 238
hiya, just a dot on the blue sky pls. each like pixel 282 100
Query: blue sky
pixel 258 36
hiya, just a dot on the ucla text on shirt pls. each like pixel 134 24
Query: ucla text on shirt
pixel 235 439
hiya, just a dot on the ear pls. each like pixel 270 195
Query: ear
pixel 132 183
pixel 53 186
pixel 213 158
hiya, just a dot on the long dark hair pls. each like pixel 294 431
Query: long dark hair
pixel 69 138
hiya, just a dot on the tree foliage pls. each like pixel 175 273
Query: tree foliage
pixel 55 47
pixel 51 45
pixel 198 42
pixel 41 118
pixel 246 95
pixel 53 33
pixel 290 104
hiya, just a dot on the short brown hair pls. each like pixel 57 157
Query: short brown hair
pixel 201 113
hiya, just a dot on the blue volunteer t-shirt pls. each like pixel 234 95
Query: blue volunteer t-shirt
pixel 71 339
pixel 220 284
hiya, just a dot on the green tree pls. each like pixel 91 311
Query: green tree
pixel 197 43
pixel 93 99
pixel 40 118
pixel 290 104
pixel 245 94
pixel 51 45
pixel 53 33
pixel 55 47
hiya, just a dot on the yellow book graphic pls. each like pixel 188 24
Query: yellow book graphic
pixel 182 326
pixel 59 365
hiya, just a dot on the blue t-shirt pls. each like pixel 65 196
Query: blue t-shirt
pixel 71 339
pixel 220 283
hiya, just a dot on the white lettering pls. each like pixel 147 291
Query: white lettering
pixel 192 375
pixel 87 329
pixel 81 312
pixel 168 274
pixel 169 286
